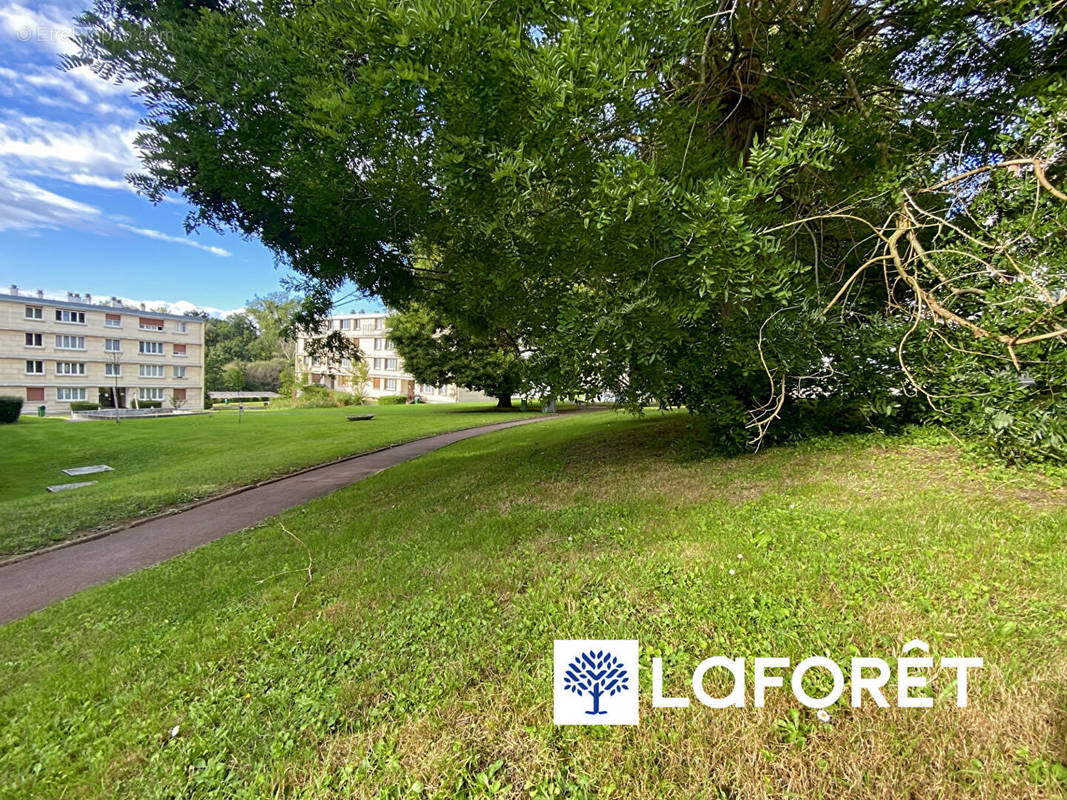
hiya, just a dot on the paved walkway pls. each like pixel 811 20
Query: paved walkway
pixel 38 581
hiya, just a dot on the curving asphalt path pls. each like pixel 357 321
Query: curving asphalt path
pixel 40 580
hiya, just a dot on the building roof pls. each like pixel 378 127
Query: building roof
pixel 33 300
pixel 359 314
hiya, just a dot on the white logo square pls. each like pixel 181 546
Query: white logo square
pixel 594 681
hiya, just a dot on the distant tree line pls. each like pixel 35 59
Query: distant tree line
pixel 251 349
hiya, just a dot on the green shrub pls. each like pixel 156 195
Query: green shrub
pixel 1023 435
pixel 10 408
pixel 313 390
pixel 149 403
pixel 324 401
pixel 392 400
pixel 81 406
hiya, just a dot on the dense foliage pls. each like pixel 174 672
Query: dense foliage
pixel 251 349
pixel 737 207
pixel 437 353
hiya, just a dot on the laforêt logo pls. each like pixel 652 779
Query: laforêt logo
pixel 595 681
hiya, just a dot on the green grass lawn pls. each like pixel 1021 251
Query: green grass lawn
pixel 163 462
pixel 417 662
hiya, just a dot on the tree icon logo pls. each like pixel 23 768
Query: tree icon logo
pixel 596 673
pixel 595 681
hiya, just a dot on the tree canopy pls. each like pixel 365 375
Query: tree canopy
pixel 437 353
pixel 740 207
pixel 252 348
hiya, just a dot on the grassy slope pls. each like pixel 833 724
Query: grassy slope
pixel 163 462
pixel 419 657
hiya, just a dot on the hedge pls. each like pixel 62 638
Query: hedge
pixel 10 408
pixel 84 406
pixel 149 403
pixel 393 400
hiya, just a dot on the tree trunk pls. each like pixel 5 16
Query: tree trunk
pixel 596 701
pixel 504 401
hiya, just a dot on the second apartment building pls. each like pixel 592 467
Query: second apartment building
pixel 386 374
pixel 57 352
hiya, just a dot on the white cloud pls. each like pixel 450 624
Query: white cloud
pixel 59 148
pixel 24 206
pixel 46 28
pixel 70 126
pixel 185 307
pixel 84 179
pixel 166 237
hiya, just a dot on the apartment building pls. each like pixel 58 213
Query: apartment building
pixel 56 352
pixel 386 375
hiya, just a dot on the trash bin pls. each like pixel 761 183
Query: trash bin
pixel 40 411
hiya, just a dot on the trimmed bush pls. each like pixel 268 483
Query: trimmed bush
pixel 10 408
pixel 393 400
pixel 149 403
pixel 80 406
pixel 310 390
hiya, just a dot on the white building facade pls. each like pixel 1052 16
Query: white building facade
pixel 385 376
pixel 57 352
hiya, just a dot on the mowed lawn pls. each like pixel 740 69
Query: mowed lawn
pixel 165 462
pixel 418 660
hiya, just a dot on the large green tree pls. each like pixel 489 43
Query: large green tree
pixel 436 352
pixel 273 316
pixel 664 201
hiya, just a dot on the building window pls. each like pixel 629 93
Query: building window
pixel 180 327
pixel 150 394
pixel 35 394
pixel 151 370
pixel 378 324
pixel 179 395
pixel 377 344
pixel 377 363
pixel 179 372
pixel 70 342
pixel 346 362
pixel 112 345
pixel 442 390
pixel 179 349
pixel 113 370
pixel 35 340
pixel 150 324
pixel 113 320
pixel 65 394
pixel 34 312
pixel 76 317
pixel 346 324
pixel 70 368
pixel 150 348
pixel 35 368
pixel 390 363
pixel 390 384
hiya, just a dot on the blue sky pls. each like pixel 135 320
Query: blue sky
pixel 68 219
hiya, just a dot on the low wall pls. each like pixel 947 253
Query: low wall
pixel 135 413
